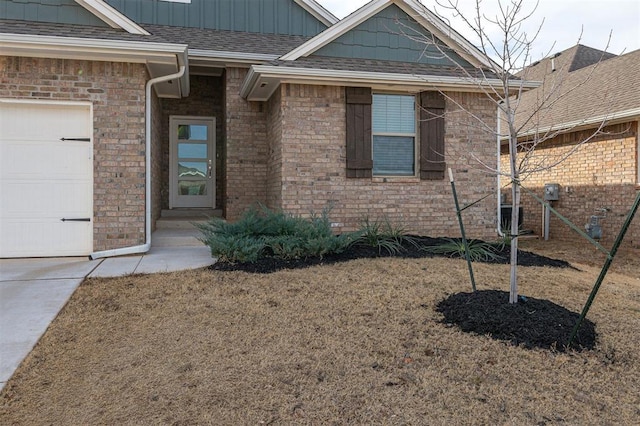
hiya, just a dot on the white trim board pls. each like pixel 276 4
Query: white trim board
pixel 111 16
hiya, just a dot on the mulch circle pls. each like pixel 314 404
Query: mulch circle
pixel 530 323
pixel 268 265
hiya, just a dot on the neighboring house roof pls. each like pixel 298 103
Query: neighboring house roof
pixel 569 60
pixel 587 96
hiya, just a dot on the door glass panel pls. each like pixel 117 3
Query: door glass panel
pixel 192 187
pixel 192 132
pixel 192 169
pixel 192 150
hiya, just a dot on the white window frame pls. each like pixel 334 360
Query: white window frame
pixel 415 135
pixel 177 1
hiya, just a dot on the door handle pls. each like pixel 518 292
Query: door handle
pixel 210 168
pixel 82 219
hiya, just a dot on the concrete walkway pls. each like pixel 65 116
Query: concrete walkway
pixel 33 291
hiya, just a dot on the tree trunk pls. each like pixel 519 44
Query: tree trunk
pixel 515 217
pixel 515 208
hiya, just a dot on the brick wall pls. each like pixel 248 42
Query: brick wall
pixel 206 99
pixel 274 138
pixel 117 93
pixel 246 148
pixel 313 166
pixel 601 173
pixel 157 160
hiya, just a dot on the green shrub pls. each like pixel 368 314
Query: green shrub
pixel 478 250
pixel 383 236
pixel 263 232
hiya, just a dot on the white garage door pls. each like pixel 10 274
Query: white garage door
pixel 46 179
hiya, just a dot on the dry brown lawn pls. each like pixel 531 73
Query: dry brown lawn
pixel 352 343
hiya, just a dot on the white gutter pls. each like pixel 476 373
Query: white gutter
pixel 578 124
pixel 147 245
pixel 342 77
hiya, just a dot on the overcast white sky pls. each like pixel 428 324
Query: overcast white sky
pixel 563 20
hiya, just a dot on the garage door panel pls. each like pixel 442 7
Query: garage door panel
pixel 45 199
pixel 44 179
pixel 35 238
pixel 27 121
pixel 46 159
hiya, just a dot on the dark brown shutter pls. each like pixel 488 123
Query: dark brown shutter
pixel 432 162
pixel 359 160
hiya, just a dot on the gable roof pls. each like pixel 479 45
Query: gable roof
pixel 604 91
pixel 315 63
pixel 414 9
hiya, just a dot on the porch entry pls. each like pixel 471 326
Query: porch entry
pixel 192 162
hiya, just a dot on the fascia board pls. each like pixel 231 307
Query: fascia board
pixel 344 78
pixel 96 49
pixel 337 30
pixel 576 125
pixel 319 12
pixel 235 57
pixel 249 83
pixel 111 16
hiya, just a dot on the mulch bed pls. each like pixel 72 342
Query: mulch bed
pixel 268 265
pixel 532 323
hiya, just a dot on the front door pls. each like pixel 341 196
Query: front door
pixel 192 169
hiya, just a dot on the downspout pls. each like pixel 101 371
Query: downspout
pixel 147 113
pixel 499 150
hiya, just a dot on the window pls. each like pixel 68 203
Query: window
pixel 383 137
pixel 394 135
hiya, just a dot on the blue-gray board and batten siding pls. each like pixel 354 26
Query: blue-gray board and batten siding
pixel 390 35
pixel 257 16
pixel 51 11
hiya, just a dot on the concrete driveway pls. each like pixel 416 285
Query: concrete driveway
pixel 33 291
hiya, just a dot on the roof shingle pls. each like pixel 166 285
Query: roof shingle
pixel 599 90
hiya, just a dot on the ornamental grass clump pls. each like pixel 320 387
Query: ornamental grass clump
pixel 479 251
pixel 262 232
pixel 383 235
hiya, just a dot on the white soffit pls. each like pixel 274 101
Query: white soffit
pixel 111 16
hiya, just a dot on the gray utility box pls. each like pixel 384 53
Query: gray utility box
pixel 551 192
